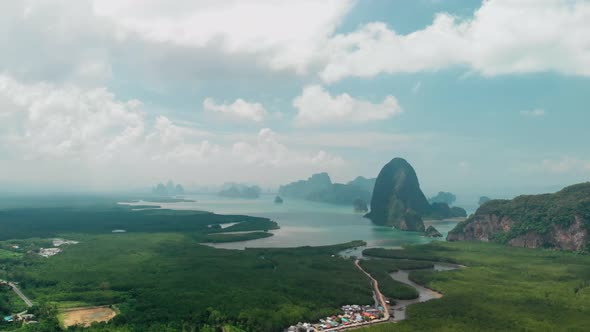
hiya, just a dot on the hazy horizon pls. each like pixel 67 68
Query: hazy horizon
pixel 105 96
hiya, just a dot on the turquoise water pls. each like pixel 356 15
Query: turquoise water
pixel 306 223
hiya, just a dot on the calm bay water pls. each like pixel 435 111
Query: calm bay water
pixel 306 223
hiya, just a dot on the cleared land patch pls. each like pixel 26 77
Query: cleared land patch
pixel 87 316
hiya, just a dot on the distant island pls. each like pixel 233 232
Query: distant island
pixel 560 220
pixel 278 200
pixel 398 201
pixel 235 190
pixel 320 188
pixel 170 189
pixel 443 197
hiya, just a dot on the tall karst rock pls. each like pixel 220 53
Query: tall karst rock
pixel 397 198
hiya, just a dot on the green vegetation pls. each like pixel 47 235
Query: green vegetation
pixel 536 213
pixel 502 289
pixel 410 253
pixel 48 222
pixel 381 269
pixel 168 282
pixel 10 302
pixel 5 254
pixel 234 237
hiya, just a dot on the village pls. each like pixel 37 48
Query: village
pixel 353 316
pixel 48 252
pixel 23 317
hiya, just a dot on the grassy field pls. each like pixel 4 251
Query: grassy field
pixel 502 289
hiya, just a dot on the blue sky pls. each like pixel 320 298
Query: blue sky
pixel 481 97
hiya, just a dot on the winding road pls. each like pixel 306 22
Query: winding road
pixel 378 294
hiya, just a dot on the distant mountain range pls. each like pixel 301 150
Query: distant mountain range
pixel 170 189
pixel 320 188
pixel 236 190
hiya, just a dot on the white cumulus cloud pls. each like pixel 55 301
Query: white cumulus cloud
pixel 269 151
pixel 47 120
pixel 503 37
pixel 315 106
pixel 286 32
pixel 239 109
pixel 59 134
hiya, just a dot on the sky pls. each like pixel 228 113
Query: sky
pixel 480 97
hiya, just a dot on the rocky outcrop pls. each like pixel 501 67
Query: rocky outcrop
pixel 480 228
pixel 559 220
pixel 397 198
pixel 431 231
pixel 572 237
pixel 491 227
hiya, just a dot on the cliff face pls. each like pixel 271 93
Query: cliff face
pixel 491 227
pixel 559 220
pixel 397 199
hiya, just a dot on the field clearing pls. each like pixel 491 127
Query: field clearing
pixel 87 316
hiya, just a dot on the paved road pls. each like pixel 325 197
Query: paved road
pixel 20 294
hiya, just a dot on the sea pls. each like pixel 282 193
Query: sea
pixel 305 223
